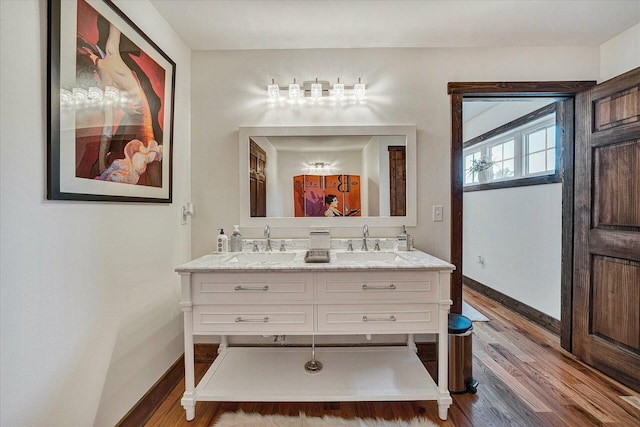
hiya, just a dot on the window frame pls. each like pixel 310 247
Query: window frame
pixel 519 155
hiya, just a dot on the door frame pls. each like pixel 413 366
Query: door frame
pixel 549 89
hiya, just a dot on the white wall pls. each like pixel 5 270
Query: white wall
pixel 518 232
pixel 620 54
pixel 501 113
pixel 405 86
pixel 89 299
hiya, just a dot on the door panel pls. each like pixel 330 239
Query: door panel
pixel 397 180
pixel 606 291
pixel 617 174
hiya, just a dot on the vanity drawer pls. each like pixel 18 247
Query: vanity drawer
pixel 379 286
pixel 253 319
pixel 378 318
pixel 251 287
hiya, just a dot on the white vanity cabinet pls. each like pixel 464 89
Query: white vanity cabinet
pixel 321 299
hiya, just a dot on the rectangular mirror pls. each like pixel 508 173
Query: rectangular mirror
pixel 328 176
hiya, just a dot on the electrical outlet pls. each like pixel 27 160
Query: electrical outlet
pixel 437 213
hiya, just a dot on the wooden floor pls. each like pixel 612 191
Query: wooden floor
pixel 526 379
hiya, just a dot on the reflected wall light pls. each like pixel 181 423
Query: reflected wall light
pixel 319 168
pixel 79 97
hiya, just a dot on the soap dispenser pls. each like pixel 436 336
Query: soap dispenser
pixel 403 240
pixel 235 244
pixel 222 242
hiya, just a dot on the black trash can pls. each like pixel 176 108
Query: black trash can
pixel 461 355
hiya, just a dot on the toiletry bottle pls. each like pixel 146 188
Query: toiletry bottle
pixel 222 242
pixel 235 244
pixel 403 240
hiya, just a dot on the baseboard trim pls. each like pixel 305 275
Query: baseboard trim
pixel 536 316
pixel 152 399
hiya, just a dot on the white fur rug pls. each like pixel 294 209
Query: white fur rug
pixel 240 419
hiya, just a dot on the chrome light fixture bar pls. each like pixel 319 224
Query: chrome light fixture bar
pixel 316 90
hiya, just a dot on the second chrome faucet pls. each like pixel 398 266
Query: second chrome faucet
pixel 267 234
pixel 365 234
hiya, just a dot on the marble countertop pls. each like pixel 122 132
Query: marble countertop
pixel 387 258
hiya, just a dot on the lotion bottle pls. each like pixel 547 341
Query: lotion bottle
pixel 235 244
pixel 222 242
pixel 403 240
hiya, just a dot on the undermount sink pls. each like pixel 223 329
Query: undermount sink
pixel 264 257
pixel 367 256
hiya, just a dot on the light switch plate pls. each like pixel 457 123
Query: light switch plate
pixel 437 213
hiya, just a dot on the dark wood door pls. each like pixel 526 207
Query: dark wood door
pixel 398 180
pixel 606 289
pixel 257 180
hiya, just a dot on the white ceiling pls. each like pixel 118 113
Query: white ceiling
pixel 304 24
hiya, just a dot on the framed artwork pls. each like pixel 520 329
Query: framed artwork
pixel 110 107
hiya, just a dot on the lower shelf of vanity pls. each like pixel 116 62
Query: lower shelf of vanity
pixel 277 374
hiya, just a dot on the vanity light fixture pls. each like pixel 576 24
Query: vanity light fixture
pixel 315 91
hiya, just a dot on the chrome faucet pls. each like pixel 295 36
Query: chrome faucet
pixel 365 234
pixel 267 234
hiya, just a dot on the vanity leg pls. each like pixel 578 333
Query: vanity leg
pixel 224 343
pixel 411 343
pixel 442 411
pixel 189 397
pixel 444 398
pixel 189 404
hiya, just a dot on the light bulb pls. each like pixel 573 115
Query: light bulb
pixel 294 90
pixel 111 93
pixel 79 94
pixel 338 90
pixel 273 90
pixel 95 94
pixel 316 89
pixel 66 97
pixel 359 89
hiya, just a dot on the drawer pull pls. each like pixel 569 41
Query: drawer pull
pixel 252 288
pixel 240 319
pixel 391 318
pixel 366 287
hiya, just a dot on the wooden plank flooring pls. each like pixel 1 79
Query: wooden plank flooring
pixel 526 379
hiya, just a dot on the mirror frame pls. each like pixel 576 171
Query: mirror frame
pixel 246 220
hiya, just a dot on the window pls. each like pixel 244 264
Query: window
pixel 471 177
pixel 525 150
pixel 541 150
pixel 503 156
